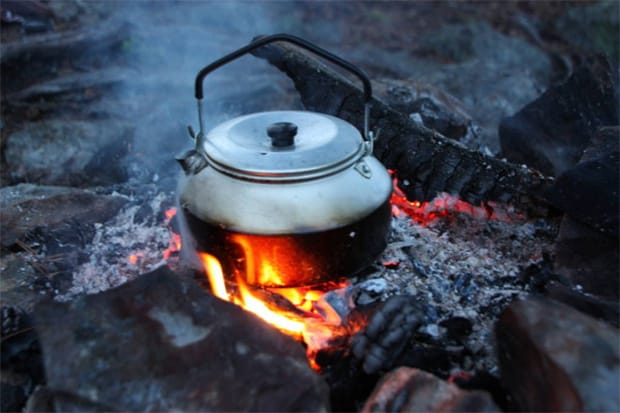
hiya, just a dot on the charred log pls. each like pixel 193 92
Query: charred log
pixel 427 160
pixel 26 207
pixel 387 333
pixel 588 258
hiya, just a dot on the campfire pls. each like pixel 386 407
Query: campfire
pixel 302 312
pixel 423 230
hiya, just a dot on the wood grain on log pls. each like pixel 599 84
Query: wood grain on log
pixel 428 161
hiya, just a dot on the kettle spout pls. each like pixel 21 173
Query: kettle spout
pixel 191 161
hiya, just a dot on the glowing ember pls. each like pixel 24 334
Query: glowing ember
pixel 175 239
pixel 390 264
pixel 169 214
pixel 175 245
pixel 134 258
pixel 443 206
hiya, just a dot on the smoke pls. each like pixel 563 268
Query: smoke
pixel 169 43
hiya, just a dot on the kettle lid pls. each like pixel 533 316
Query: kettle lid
pixel 283 145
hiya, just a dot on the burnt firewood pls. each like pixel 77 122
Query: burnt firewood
pixel 457 327
pixel 19 341
pixel 586 250
pixel 387 333
pixel 427 160
pixel 28 14
pixel 44 399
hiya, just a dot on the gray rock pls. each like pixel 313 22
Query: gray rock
pixel 26 207
pixel 586 250
pixel 411 390
pixel 162 343
pixel 554 358
pixel 493 75
pixel 71 153
pixel 589 191
pixel 588 258
pixel 551 133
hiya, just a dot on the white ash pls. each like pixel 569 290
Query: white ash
pixel 459 266
pixel 114 243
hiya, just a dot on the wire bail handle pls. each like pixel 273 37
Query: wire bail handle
pixel 198 86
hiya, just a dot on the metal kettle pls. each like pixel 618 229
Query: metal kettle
pixel 302 189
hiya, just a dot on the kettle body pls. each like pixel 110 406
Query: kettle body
pixel 286 198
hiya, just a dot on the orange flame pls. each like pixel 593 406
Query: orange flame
pixel 216 275
pixel 258 307
pixel 312 326
pixel 246 299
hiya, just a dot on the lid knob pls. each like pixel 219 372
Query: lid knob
pixel 282 134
